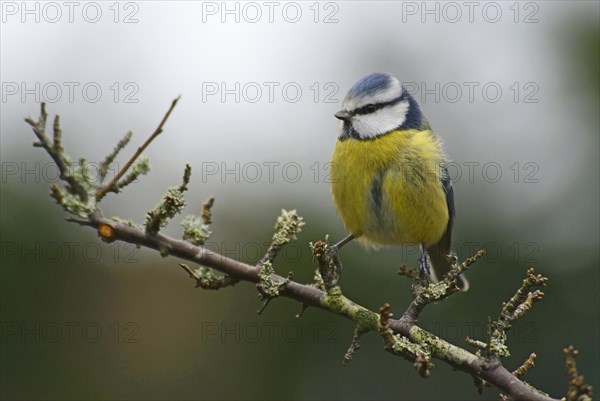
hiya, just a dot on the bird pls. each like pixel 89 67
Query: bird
pixel 389 178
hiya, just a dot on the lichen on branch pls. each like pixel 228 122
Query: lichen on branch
pixel 171 204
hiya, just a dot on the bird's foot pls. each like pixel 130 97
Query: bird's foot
pixel 424 271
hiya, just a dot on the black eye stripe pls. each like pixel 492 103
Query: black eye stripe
pixel 371 108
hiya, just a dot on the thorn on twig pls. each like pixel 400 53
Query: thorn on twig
pixel 303 308
pixel 354 346
pixel 266 302
pixel 479 383
pixel 207 279
pixel 189 271
pixel 578 390
pixel 41 122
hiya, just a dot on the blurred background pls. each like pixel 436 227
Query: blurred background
pixel 512 88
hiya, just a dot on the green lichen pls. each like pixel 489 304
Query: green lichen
pixel 209 280
pixel 80 201
pixel 439 348
pixel 127 222
pixel 194 230
pixel 497 344
pixel 403 346
pixel 434 292
pixel 267 287
pixel 141 167
pixel 365 319
pixel 171 204
pixel 288 225
pixel 108 160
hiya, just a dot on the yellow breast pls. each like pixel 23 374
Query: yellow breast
pixel 388 190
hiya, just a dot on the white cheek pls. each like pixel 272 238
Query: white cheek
pixel 380 122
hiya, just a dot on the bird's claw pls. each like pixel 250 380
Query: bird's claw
pixel 424 270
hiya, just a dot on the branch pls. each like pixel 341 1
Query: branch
pixel 458 358
pixel 101 193
pixel 110 158
pixel 401 337
pixel 56 151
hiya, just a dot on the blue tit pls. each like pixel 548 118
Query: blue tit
pixel 390 184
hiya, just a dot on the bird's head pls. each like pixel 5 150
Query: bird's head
pixel 376 105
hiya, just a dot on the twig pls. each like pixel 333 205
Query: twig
pixel 56 151
pixel 268 286
pixel 288 226
pixel 329 267
pixel 207 210
pixel 103 170
pixel 435 292
pixel 207 280
pixel 101 193
pixel 529 363
pixel 171 204
pixel 400 345
pixel 578 390
pixel 354 346
pixel 514 309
